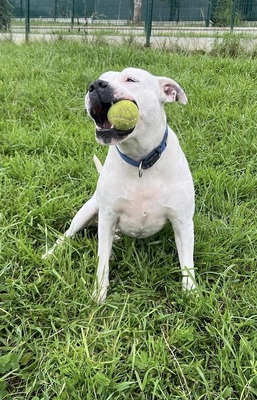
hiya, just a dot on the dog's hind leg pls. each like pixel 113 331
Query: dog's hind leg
pixel 83 217
pixel 87 212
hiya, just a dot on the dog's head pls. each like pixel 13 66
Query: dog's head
pixel 147 91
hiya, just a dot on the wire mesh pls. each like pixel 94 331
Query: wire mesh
pixel 128 17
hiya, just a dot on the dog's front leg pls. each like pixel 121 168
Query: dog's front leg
pixel 184 238
pixel 86 213
pixel 106 229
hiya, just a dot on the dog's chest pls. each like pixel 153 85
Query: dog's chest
pixel 141 212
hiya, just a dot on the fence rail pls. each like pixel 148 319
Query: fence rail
pixel 127 17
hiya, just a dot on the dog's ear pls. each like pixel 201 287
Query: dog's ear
pixel 171 91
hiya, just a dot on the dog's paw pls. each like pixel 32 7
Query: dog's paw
pixel 188 283
pixel 99 294
pixel 49 252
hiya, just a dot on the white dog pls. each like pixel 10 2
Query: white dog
pixel 145 179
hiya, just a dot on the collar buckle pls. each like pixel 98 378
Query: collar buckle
pixel 151 159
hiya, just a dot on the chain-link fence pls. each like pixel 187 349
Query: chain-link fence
pixel 119 18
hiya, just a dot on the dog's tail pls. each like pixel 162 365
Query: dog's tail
pixel 98 164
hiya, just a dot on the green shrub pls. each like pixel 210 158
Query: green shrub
pixel 221 12
pixel 5 15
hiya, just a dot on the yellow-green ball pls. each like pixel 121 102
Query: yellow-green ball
pixel 123 115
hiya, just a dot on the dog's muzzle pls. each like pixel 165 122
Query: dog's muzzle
pixel 101 98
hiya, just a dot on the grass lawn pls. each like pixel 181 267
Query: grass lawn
pixel 149 340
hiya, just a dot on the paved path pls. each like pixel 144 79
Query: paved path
pixel 187 43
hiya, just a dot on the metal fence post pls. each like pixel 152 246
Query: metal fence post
pixel 131 10
pixel 21 9
pixel 27 20
pixel 55 9
pixel 233 14
pixel 208 14
pixel 148 21
pixel 178 12
pixel 72 13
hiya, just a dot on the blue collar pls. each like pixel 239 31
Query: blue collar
pixel 149 160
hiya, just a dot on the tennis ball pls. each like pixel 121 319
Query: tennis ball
pixel 123 115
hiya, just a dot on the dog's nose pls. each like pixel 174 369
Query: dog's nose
pixel 98 84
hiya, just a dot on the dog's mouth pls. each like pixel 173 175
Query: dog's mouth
pixel 106 133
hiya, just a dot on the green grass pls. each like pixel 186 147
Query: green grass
pixel 149 340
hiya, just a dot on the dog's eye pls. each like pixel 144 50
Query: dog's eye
pixel 130 80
